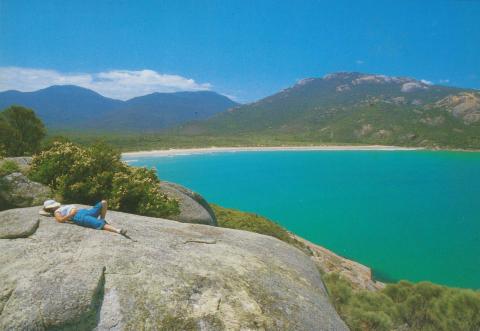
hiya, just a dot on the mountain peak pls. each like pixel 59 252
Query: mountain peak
pixel 342 75
pixel 69 89
pixel 359 78
pixel 305 81
pixel 345 81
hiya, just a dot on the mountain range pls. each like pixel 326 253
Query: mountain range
pixel 344 107
pixel 350 107
pixel 71 107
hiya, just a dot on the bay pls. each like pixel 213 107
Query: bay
pixel 411 215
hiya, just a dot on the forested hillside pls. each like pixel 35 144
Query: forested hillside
pixel 356 108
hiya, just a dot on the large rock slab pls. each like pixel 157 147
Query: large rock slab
pixel 16 190
pixel 168 276
pixel 193 207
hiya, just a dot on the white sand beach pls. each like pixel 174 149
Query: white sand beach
pixel 205 150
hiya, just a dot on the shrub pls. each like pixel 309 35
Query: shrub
pixel 340 290
pixel 48 141
pixel 136 190
pixel 87 175
pixel 405 306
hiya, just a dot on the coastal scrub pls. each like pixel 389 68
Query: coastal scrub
pixel 405 306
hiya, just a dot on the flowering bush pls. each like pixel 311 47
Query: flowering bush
pixel 137 190
pixel 87 175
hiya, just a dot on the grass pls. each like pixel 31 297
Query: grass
pixel 137 141
pixel 7 167
pixel 240 220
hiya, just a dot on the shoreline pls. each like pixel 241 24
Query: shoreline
pixel 208 150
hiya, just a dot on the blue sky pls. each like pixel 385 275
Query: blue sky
pixel 246 49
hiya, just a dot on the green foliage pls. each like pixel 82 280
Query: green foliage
pixel 7 137
pixel 21 131
pixel 236 219
pixel 406 306
pixel 137 190
pixel 87 175
pixel 134 142
pixel 49 140
pixel 8 167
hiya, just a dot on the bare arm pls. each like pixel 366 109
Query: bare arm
pixel 63 219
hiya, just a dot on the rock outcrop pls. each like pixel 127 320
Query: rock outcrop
pixel 23 162
pixel 193 207
pixel 464 105
pixel 168 276
pixel 359 275
pixel 16 190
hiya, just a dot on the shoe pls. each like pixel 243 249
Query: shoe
pixel 123 232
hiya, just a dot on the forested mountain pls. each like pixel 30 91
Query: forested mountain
pixel 61 104
pixel 75 108
pixel 162 110
pixel 357 108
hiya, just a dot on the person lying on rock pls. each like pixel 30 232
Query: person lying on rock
pixel 91 218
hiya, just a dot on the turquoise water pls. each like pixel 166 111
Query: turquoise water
pixel 411 215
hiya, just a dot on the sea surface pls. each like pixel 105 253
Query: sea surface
pixel 411 215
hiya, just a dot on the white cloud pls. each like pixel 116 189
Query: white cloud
pixel 118 84
pixel 359 62
pixel 444 81
pixel 427 82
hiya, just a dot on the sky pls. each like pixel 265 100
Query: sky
pixel 245 49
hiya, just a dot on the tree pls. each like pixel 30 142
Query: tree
pixel 21 131
pixel 7 137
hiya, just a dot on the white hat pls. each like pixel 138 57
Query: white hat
pixel 50 204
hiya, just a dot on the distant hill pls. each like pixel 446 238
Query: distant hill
pixel 73 107
pixel 356 108
pixel 162 110
pixel 61 104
